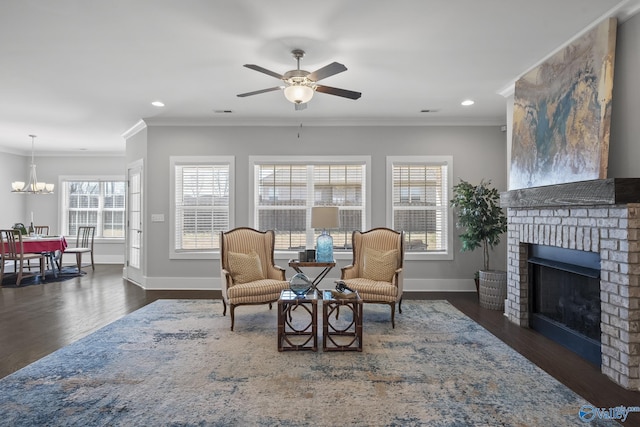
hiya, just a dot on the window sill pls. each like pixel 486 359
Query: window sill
pixel 339 256
pixel 99 240
pixel 195 255
pixel 294 255
pixel 425 256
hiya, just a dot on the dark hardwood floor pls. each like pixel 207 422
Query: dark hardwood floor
pixel 37 320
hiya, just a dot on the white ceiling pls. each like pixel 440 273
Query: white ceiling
pixel 79 73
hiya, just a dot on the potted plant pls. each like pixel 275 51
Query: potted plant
pixel 483 222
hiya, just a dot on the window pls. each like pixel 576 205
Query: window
pixel 201 201
pixel 285 190
pixel 98 202
pixel 419 202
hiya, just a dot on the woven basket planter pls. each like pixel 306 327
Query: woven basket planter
pixel 493 289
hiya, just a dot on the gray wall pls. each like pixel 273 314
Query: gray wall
pixel 13 167
pixel 45 208
pixel 478 152
pixel 624 142
pixel 624 146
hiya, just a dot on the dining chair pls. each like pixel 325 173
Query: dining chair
pixel 12 250
pixel 84 244
pixel 40 230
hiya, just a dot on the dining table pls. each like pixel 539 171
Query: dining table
pixel 47 245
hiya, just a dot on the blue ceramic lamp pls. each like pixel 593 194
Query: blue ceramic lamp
pixel 324 217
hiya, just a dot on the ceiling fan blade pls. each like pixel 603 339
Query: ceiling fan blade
pixel 338 92
pixel 326 71
pixel 301 106
pixel 256 92
pixel 264 70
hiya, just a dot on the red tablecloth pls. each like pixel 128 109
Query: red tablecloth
pixel 36 245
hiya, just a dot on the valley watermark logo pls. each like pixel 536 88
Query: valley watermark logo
pixel 588 413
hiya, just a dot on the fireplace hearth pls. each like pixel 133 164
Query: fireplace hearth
pixel 601 217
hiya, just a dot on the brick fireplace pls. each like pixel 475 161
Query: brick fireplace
pixel 600 216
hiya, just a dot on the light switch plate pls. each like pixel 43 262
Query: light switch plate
pixel 157 217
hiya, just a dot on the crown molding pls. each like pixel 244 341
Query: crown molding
pixel 139 126
pixel 335 122
pixel 623 11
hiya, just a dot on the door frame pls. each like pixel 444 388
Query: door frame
pixel 136 275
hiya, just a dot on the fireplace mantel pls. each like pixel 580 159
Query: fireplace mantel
pixel 610 191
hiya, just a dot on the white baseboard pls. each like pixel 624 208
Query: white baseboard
pixel 439 285
pixel 70 259
pixel 213 283
pixel 180 283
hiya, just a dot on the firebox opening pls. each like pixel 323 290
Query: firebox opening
pixel 565 298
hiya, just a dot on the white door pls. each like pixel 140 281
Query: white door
pixel 134 253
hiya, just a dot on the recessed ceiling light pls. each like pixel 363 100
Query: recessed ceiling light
pixel 467 102
pixel 157 104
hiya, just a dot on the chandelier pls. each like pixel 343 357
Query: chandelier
pixel 33 186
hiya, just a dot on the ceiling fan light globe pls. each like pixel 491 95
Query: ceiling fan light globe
pixel 298 94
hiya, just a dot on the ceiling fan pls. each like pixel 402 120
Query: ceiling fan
pixel 301 84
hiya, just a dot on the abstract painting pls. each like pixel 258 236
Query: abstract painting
pixel 562 113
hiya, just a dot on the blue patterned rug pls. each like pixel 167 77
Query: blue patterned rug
pixel 175 363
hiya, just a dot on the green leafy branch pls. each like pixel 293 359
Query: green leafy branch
pixel 479 215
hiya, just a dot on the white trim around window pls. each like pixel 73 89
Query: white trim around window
pixel 446 252
pixel 64 207
pixel 199 161
pixel 255 161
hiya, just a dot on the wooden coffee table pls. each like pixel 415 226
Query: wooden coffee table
pixel 296 333
pixel 343 337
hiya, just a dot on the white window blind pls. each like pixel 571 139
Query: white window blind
pixel 420 204
pixel 343 186
pixel 286 192
pixel 94 202
pixel 201 205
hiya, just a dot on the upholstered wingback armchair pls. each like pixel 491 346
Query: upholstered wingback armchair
pixel 376 269
pixel 249 274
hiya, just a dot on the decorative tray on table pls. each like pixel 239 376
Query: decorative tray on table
pixel 342 291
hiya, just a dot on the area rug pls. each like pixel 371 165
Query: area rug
pixel 67 273
pixel 176 363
